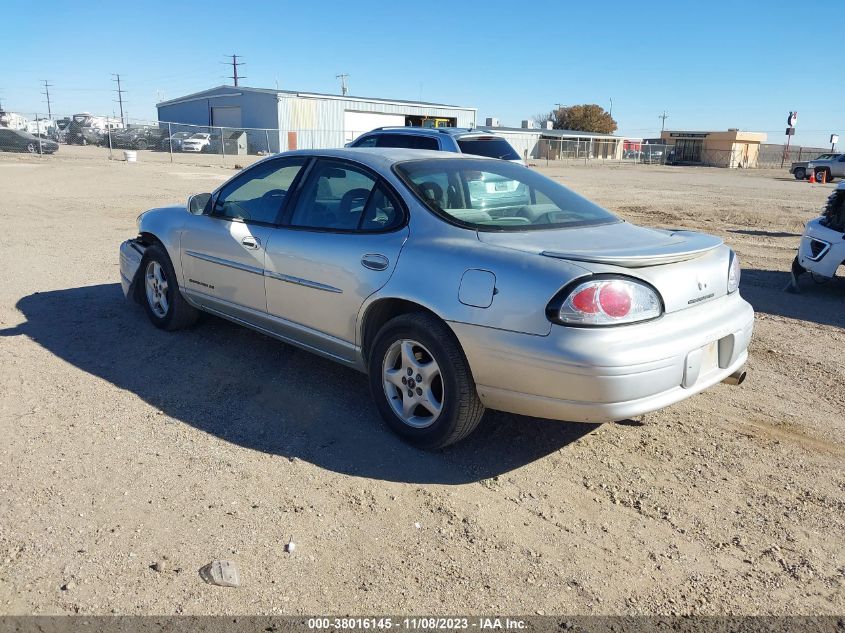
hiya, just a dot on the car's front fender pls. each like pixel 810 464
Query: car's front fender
pixel 165 226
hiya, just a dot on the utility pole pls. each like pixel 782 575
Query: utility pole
pixel 119 92
pixel 235 63
pixel 343 87
pixel 663 116
pixel 49 105
pixel 611 107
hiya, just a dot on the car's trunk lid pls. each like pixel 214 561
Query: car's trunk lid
pixel 687 268
pixel 617 244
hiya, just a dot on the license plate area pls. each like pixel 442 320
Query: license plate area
pixel 701 362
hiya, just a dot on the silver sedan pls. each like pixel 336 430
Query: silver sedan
pixel 456 283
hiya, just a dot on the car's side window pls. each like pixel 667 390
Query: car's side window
pixel 259 194
pixel 340 197
pixel 369 141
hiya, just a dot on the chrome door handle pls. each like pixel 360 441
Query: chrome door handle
pixel 251 242
pixel 374 261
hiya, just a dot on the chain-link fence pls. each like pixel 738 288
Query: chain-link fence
pixel 775 155
pixel 134 139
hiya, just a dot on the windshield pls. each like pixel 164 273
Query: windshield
pixel 497 196
pixel 201 135
pixel 489 146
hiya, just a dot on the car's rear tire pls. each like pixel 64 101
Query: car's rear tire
pixel 434 405
pixel 800 173
pixel 141 144
pixel 158 289
pixel 822 173
pixel 32 148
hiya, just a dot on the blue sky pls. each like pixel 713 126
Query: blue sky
pixel 711 65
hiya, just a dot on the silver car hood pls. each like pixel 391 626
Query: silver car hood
pixel 617 244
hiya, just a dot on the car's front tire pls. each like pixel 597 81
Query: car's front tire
pixel 159 292
pixel 421 382
pixel 800 173
pixel 32 148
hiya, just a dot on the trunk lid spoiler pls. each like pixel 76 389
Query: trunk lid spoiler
pixel 687 245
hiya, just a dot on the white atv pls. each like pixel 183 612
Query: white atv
pixel 822 248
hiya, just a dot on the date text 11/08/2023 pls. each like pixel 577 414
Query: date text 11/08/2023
pixel 416 623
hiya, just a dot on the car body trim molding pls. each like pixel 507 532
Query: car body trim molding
pixel 302 282
pixel 226 262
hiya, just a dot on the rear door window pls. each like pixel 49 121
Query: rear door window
pixel 340 197
pixel 489 146
pixel 407 141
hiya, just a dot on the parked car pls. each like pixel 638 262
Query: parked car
pixel 82 135
pixel 21 141
pixel 445 139
pixel 550 307
pixel 822 248
pixel 652 155
pixel 141 137
pixel 174 142
pixel 827 168
pixel 198 142
pixel 799 168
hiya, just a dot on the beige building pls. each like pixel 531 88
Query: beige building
pixel 731 148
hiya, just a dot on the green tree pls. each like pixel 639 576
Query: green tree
pixel 584 118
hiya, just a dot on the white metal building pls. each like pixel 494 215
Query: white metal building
pixel 547 143
pixel 304 120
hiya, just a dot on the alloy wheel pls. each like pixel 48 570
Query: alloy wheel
pixel 156 287
pixel 413 383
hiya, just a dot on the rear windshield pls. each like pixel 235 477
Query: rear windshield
pixel 489 146
pixel 497 196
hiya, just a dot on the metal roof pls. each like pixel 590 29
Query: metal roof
pixel 546 132
pixel 232 90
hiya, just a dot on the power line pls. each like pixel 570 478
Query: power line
pixel 344 88
pixel 119 92
pixel 49 105
pixel 235 63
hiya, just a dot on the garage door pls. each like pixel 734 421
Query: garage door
pixel 356 123
pixel 226 116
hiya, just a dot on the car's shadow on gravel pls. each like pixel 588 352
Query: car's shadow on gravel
pixel 264 395
pixel 817 302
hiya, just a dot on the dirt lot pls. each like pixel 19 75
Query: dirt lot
pixel 125 446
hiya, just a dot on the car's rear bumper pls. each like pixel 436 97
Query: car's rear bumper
pixel 131 254
pixel 606 374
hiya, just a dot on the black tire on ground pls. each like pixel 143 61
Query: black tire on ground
pixel 822 173
pixel 141 144
pixel 800 173
pixel 462 410
pixel 32 148
pixel 180 314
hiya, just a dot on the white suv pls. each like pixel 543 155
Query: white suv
pixel 444 139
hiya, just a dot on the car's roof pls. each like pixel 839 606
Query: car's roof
pixel 381 156
pixel 430 131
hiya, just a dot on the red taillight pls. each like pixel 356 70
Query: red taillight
pixel 615 300
pixel 585 300
pixel 606 301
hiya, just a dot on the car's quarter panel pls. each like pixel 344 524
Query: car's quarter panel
pixel 319 279
pixel 436 259
pixel 600 374
pixel 223 262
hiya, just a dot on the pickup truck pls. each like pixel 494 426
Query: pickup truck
pixel 828 168
pixel 799 168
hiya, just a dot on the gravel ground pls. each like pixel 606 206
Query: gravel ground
pixel 125 446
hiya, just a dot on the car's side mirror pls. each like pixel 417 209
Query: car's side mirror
pixel 198 203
